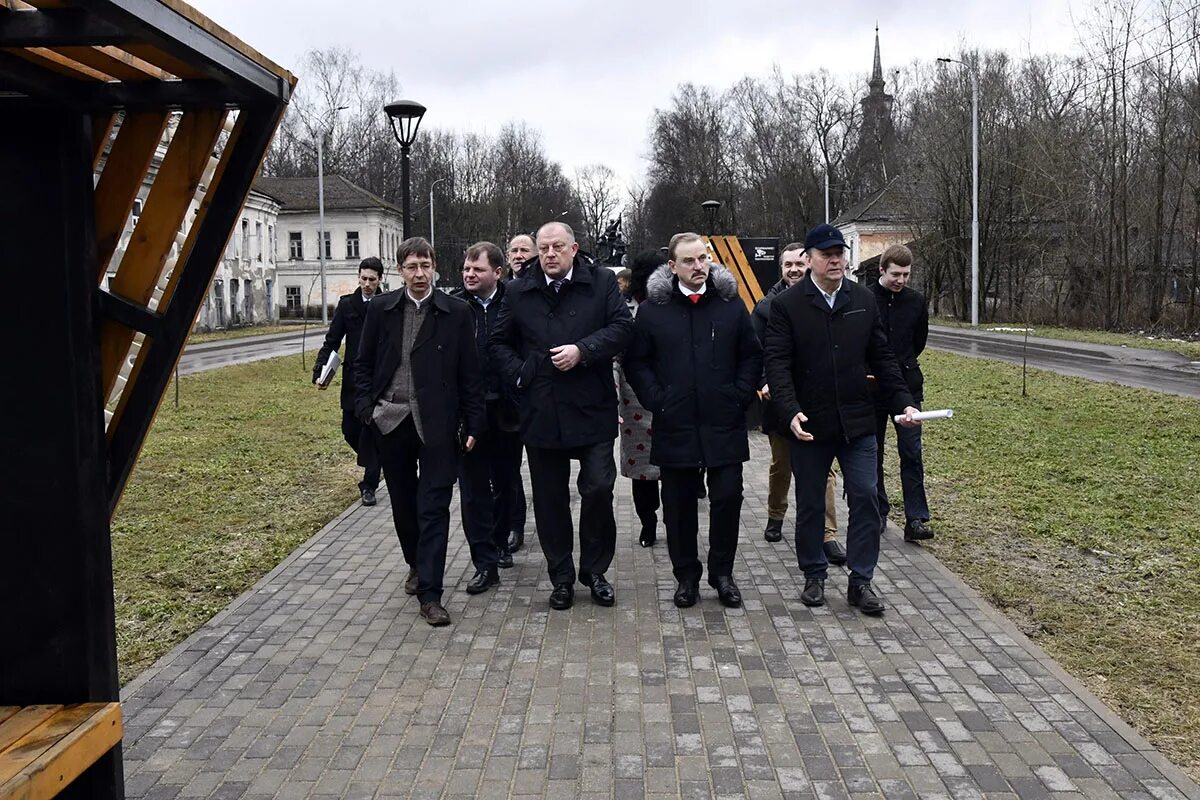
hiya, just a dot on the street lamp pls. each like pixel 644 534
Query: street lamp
pixel 432 241
pixel 974 187
pixel 321 208
pixel 711 207
pixel 405 116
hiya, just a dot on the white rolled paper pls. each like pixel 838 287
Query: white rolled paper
pixel 941 413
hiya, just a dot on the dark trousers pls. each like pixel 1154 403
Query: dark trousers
pixel 679 490
pixel 810 469
pixel 485 479
pixel 550 474
pixel 912 469
pixel 420 510
pixel 364 446
pixel 645 502
pixel 517 506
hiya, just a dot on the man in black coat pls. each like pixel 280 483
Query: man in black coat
pixel 487 473
pixel 521 249
pixel 347 323
pixel 419 386
pixel 561 323
pixel 905 317
pixel 695 364
pixel 823 338
pixel 793 263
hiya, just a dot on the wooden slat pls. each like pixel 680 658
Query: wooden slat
pixel 729 253
pixel 196 18
pixel 744 266
pixel 8 711
pixel 128 161
pixel 61 65
pixel 111 61
pixel 21 723
pixel 163 60
pixel 49 758
pixel 170 195
pixel 102 126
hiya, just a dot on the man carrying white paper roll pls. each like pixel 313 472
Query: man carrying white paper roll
pixel 823 338
pixel 905 318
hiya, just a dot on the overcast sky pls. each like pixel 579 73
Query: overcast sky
pixel 589 75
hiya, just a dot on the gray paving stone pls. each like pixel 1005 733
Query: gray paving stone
pixel 322 682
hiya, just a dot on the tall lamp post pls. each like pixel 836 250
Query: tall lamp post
pixel 405 116
pixel 974 187
pixel 432 241
pixel 321 208
pixel 711 207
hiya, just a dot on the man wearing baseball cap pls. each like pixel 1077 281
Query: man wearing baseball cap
pixel 823 338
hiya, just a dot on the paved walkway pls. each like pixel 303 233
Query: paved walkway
pixel 322 681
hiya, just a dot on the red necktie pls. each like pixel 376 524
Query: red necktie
pixel 695 298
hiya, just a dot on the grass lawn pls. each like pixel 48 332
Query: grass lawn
pixel 250 330
pixel 1074 511
pixel 251 465
pixel 1191 349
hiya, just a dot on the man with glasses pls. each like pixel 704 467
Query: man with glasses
pixel 560 326
pixel 823 339
pixel 417 377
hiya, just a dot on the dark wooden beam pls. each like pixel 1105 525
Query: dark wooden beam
pixel 58 27
pixel 219 213
pixel 128 313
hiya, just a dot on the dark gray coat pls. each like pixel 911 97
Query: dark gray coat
pixel 562 409
pixel 347 323
pixel 446 374
pixel 696 367
pixel 818 360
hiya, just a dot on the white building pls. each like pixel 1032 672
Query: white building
pixel 358 224
pixel 243 290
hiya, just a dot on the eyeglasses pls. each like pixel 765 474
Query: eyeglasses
pixel 558 247
pixel 418 267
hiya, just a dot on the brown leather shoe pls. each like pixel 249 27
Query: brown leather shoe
pixel 410 583
pixel 434 614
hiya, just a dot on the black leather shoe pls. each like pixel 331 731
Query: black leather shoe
pixel 814 592
pixel 516 540
pixel 864 598
pixel 434 614
pixel 835 553
pixel 505 560
pixel 687 593
pixel 368 496
pixel 917 530
pixel 648 536
pixel 603 593
pixel 727 591
pixel 563 596
pixel 774 531
pixel 410 583
pixel 482 582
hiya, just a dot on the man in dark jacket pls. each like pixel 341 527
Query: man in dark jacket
pixel 905 317
pixel 347 323
pixel 486 474
pixel 793 264
pixel 417 383
pixel 695 363
pixel 561 323
pixel 823 338
pixel 521 249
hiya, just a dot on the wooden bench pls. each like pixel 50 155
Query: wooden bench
pixel 44 748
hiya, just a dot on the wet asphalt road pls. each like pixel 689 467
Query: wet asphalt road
pixel 1147 369
pixel 227 352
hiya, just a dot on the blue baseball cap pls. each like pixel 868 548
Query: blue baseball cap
pixel 823 237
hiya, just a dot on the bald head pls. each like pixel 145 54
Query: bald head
pixel 556 229
pixel 556 249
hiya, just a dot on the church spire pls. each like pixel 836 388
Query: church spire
pixel 876 83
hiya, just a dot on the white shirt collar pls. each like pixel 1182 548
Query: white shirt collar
pixel 830 297
pixel 688 292
pixel 422 301
pixel 566 277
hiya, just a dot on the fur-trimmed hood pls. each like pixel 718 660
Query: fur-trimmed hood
pixel 662 283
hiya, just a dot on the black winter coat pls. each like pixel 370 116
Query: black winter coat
pixel 485 323
pixel 905 318
pixel 818 360
pixel 562 409
pixel 762 313
pixel 446 374
pixel 347 323
pixel 695 366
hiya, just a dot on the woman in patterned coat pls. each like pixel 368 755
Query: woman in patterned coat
pixel 636 422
